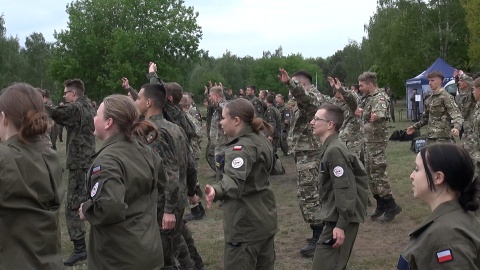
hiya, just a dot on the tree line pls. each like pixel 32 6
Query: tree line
pixel 110 39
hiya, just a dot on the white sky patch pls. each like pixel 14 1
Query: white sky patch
pixel 245 27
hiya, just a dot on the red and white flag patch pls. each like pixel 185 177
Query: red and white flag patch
pixel 444 256
pixel 96 170
pixel 237 147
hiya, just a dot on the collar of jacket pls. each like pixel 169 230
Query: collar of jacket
pixel 113 139
pixel 14 140
pixel 246 130
pixel 442 209
pixel 327 142
pixel 156 117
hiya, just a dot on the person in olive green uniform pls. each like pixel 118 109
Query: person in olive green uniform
pixel 440 113
pixel 77 117
pixel 29 217
pixel 250 215
pixel 449 238
pixel 343 188
pixel 125 184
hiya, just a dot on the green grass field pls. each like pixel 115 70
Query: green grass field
pixel 377 247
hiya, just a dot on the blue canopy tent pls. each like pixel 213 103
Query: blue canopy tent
pixel 420 82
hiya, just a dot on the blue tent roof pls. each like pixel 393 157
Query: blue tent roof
pixel 439 65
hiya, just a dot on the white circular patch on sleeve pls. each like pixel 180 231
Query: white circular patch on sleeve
pixel 94 190
pixel 237 162
pixel 338 171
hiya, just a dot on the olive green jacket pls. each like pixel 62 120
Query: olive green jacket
pixel 123 185
pixel 343 184
pixel 249 208
pixel 448 230
pixel 31 192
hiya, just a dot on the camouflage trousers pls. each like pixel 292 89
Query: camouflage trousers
pixel 469 141
pixel 283 142
pixel 76 195
pixel 188 255
pixel 53 136
pixel 308 163
pixel 376 167
pixel 171 239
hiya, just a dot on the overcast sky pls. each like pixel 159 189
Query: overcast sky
pixel 244 27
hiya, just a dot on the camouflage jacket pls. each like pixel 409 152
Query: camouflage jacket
pixel 293 119
pixel 350 130
pixel 216 135
pixel 77 117
pixel 257 105
pixel 377 103
pixel 308 100
pixel 177 157
pixel 179 117
pixel 273 117
pixel 195 112
pixel 474 138
pixel 466 104
pixel 440 113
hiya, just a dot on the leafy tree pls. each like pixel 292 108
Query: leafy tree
pixel 37 54
pixel 474 29
pixel 110 39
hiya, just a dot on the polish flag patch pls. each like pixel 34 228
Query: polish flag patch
pixel 96 170
pixel 444 256
pixel 237 148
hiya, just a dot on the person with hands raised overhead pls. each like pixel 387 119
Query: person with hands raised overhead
pixel 249 208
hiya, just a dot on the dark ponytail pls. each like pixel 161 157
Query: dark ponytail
pixel 258 124
pixel 469 198
pixel 143 130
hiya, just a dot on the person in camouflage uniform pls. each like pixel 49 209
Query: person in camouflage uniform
pixel 374 112
pixel 273 117
pixel 306 150
pixel 474 139
pixel 293 115
pixel 285 120
pixel 350 132
pixel 257 103
pixel 77 116
pixel 440 113
pixel 172 146
pixel 466 104
pixel 217 139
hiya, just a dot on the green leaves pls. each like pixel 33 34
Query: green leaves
pixel 110 39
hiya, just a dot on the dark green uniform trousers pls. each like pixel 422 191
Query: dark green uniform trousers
pixel 327 257
pixel 250 255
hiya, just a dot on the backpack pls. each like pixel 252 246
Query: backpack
pixel 418 143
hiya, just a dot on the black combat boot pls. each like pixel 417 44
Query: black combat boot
pixel 196 213
pixel 381 205
pixel 392 209
pixel 312 244
pixel 79 253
